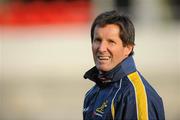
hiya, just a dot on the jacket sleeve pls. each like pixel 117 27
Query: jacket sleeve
pixel 155 108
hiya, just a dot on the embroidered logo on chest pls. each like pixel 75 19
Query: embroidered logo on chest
pixel 102 107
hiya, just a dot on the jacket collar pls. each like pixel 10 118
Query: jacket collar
pixel 126 67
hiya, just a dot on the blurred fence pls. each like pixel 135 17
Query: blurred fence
pixel 39 12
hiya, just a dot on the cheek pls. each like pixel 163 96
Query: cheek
pixel 94 47
pixel 119 54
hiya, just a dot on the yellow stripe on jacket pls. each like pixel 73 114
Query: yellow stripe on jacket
pixel 140 94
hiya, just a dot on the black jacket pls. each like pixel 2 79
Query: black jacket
pixel 121 94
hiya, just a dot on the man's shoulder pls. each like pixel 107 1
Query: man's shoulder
pixel 141 84
pixel 91 91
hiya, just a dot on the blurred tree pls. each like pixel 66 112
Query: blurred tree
pixel 123 5
pixel 175 7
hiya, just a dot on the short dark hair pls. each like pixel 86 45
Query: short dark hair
pixel 127 30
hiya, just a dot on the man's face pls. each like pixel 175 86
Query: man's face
pixel 107 47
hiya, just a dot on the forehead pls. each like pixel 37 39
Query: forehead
pixel 106 30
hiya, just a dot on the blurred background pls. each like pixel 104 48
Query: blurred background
pixel 45 49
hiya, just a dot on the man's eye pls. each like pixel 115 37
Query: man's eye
pixel 97 40
pixel 111 42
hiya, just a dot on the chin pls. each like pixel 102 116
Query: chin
pixel 103 69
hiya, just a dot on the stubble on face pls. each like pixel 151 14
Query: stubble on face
pixel 107 47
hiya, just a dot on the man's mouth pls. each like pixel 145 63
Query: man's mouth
pixel 103 57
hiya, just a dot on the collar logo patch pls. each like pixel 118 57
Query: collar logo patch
pixel 102 107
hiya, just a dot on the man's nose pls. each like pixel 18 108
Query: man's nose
pixel 102 47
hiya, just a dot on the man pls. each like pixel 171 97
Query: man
pixel 120 92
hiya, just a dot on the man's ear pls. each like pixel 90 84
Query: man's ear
pixel 128 49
